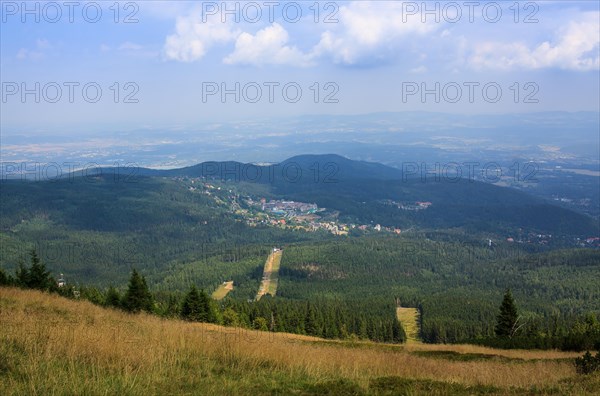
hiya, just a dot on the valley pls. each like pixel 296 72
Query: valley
pixel 364 237
pixel 346 251
pixel 300 198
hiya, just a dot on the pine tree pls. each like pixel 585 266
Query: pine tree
pixel 112 298
pixel 4 278
pixel 508 316
pixel 22 274
pixel 399 334
pixel 172 310
pixel 138 297
pixel 310 321
pixel 193 307
pixel 39 278
pixel 208 307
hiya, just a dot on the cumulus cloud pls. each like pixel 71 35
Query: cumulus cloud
pixel 193 37
pixel 267 46
pixel 368 30
pixel 374 33
pixel 576 48
pixel 41 47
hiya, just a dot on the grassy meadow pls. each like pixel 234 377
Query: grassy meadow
pixel 409 317
pixel 270 279
pixel 222 291
pixel 51 345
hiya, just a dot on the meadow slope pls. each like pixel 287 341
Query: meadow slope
pixel 52 345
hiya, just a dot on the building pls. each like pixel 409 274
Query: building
pixel 61 282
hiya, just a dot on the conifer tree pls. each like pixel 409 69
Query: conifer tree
pixel 310 321
pixel 508 316
pixel 38 277
pixel 4 278
pixel 22 274
pixel 138 297
pixel 207 307
pixel 112 298
pixel 172 310
pixel 193 309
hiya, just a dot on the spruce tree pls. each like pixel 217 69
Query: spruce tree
pixel 172 310
pixel 4 278
pixel 310 321
pixel 22 274
pixel 208 307
pixel 138 297
pixel 112 298
pixel 507 318
pixel 193 308
pixel 399 335
pixel 38 277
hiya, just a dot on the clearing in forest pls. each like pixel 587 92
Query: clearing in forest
pixel 223 290
pixel 409 318
pixel 268 285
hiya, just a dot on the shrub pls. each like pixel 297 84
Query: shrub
pixel 587 364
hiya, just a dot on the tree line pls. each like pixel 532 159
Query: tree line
pixel 324 318
pixel 372 319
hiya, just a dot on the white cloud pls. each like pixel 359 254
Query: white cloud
pixel 41 46
pixel 129 46
pixel 370 31
pixel 376 33
pixel 418 70
pixel 267 46
pixel 576 48
pixel 193 37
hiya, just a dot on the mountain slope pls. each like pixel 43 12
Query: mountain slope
pixel 91 350
pixel 97 227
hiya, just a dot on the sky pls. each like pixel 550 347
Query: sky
pixel 79 66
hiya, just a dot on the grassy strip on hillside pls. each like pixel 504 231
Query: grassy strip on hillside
pixel 52 345
pixel 270 278
pixel 222 290
pixel 409 318
pixel 274 276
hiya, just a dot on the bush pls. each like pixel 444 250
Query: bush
pixel 587 364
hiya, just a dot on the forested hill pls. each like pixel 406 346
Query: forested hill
pixel 179 230
pixel 365 192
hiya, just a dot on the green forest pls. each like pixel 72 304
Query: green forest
pixel 96 230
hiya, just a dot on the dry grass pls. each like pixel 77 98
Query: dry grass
pixel 52 345
pixel 222 290
pixel 409 317
pixel 270 279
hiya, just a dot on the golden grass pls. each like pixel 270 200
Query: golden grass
pixel 49 344
pixel 222 290
pixel 270 279
pixel 409 318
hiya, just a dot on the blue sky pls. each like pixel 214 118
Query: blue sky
pixel 370 58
